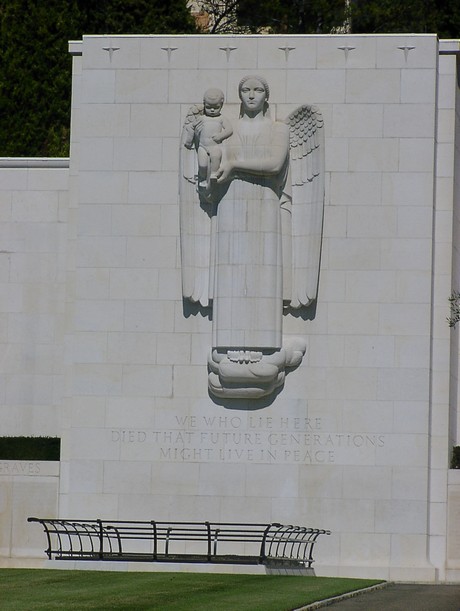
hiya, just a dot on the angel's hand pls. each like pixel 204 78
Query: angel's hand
pixel 224 172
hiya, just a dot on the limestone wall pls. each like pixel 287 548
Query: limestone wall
pixel 33 225
pixel 33 260
pixel 346 444
pixel 103 351
pixel 27 488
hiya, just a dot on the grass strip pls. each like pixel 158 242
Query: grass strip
pixel 35 589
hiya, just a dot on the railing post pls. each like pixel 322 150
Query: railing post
pixel 168 532
pixel 208 528
pixel 48 537
pixel 155 540
pixel 101 540
pixel 263 556
pixel 47 532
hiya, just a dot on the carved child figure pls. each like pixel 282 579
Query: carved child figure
pixel 208 130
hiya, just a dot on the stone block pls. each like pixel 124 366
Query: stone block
pixel 102 251
pixel 97 87
pixel 357 120
pixel 105 120
pixel 405 52
pixel 369 351
pixel 152 187
pixel 104 188
pixel 407 188
pixel 110 52
pixel 376 286
pixel 296 52
pixel 188 86
pixel 345 52
pixel 320 86
pixel 148 316
pixel 373 87
pixel 96 153
pixel 375 551
pixel 415 155
pixel 146 381
pixel 417 87
pixel 400 517
pixel 141 86
pixel 408 120
pixel 351 188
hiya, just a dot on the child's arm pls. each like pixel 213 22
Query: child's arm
pixel 226 132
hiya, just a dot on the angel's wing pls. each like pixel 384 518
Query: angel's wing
pixel 195 222
pixel 307 175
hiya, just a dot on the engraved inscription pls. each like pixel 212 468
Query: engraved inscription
pixel 255 439
pixel 20 468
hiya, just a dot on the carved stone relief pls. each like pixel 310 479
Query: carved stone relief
pixel 251 196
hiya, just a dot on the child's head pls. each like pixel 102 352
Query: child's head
pixel 213 100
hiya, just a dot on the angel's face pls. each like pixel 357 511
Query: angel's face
pixel 253 95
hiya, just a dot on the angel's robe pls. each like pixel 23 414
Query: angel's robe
pixel 247 283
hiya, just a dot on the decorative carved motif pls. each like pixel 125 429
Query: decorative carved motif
pixel 111 50
pixel 169 51
pixel 228 51
pixel 286 50
pixel 251 221
pixel 346 49
pixel 406 50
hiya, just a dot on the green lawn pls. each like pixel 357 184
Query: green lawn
pixel 30 589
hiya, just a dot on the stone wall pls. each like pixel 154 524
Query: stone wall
pixel 27 488
pixel 358 439
pixel 33 261
pixel 346 444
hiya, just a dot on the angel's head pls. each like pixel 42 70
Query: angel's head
pixel 213 100
pixel 254 93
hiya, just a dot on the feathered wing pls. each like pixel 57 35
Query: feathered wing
pixel 195 222
pixel 307 176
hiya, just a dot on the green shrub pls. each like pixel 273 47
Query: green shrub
pixel 30 448
pixel 455 460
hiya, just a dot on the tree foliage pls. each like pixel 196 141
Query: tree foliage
pixel 35 66
pixel 440 17
pixel 34 76
pixel 292 16
pixel 218 16
pixel 330 16
pixel 134 17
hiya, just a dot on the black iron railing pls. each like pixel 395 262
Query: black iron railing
pixel 226 542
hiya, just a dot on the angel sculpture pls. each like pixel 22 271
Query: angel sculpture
pixel 250 242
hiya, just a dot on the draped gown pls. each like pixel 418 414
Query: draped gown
pixel 247 284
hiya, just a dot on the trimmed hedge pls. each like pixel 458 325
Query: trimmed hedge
pixel 30 448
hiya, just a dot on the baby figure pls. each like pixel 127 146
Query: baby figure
pixel 209 130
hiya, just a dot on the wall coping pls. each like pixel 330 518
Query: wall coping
pixel 34 162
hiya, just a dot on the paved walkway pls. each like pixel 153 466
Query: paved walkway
pixel 403 597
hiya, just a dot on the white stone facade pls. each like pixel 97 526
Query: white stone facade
pixel 100 349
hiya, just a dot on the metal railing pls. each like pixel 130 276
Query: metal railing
pixel 153 541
